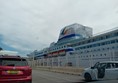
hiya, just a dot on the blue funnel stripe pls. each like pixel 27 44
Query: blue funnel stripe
pixel 69 36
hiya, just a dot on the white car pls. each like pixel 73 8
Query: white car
pixel 102 71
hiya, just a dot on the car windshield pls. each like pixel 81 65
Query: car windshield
pixel 96 65
pixel 13 62
pixel 99 65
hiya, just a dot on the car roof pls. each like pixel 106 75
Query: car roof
pixel 7 56
pixel 10 56
pixel 6 52
pixel 109 62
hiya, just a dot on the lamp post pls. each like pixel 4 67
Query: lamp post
pixel 33 60
pixel 77 59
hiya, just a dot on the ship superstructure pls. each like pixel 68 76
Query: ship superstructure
pixel 77 46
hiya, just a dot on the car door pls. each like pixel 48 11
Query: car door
pixel 101 70
pixel 94 74
pixel 98 71
pixel 111 71
pixel 95 71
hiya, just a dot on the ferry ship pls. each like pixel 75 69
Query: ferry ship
pixel 78 47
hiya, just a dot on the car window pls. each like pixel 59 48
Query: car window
pixel 13 62
pixel 0 62
pixel 102 65
pixel 108 66
pixel 99 65
pixel 116 65
pixel 112 65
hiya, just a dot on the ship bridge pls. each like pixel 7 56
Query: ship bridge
pixel 72 32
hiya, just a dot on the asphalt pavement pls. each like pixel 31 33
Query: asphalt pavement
pixel 40 76
pixel 53 77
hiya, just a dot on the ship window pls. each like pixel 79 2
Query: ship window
pixel 87 51
pixel 83 42
pixel 112 41
pixel 90 46
pixel 117 40
pixel 111 35
pixel 81 47
pixel 100 54
pixel 94 45
pixel 103 43
pixel 101 38
pixel 113 47
pixel 78 48
pixel 117 34
pixel 97 39
pixel 108 42
pixel 80 43
pixel 87 46
pixel 88 41
pixel 92 40
pixel 84 47
pixel 107 36
pixel 81 52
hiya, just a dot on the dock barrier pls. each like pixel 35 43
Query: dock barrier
pixel 67 70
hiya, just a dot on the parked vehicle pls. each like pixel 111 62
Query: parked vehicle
pixel 102 71
pixel 14 69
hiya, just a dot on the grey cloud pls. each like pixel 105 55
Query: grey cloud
pixel 37 23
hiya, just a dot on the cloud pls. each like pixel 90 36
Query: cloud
pixel 27 25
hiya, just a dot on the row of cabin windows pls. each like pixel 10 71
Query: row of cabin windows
pixel 96 39
pixel 97 44
pixel 96 50
pixel 97 55
pixel 92 40
pixel 60 47
pixel 89 46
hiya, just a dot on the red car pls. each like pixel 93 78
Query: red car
pixel 14 69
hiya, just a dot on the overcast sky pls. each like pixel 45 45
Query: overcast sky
pixel 26 25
